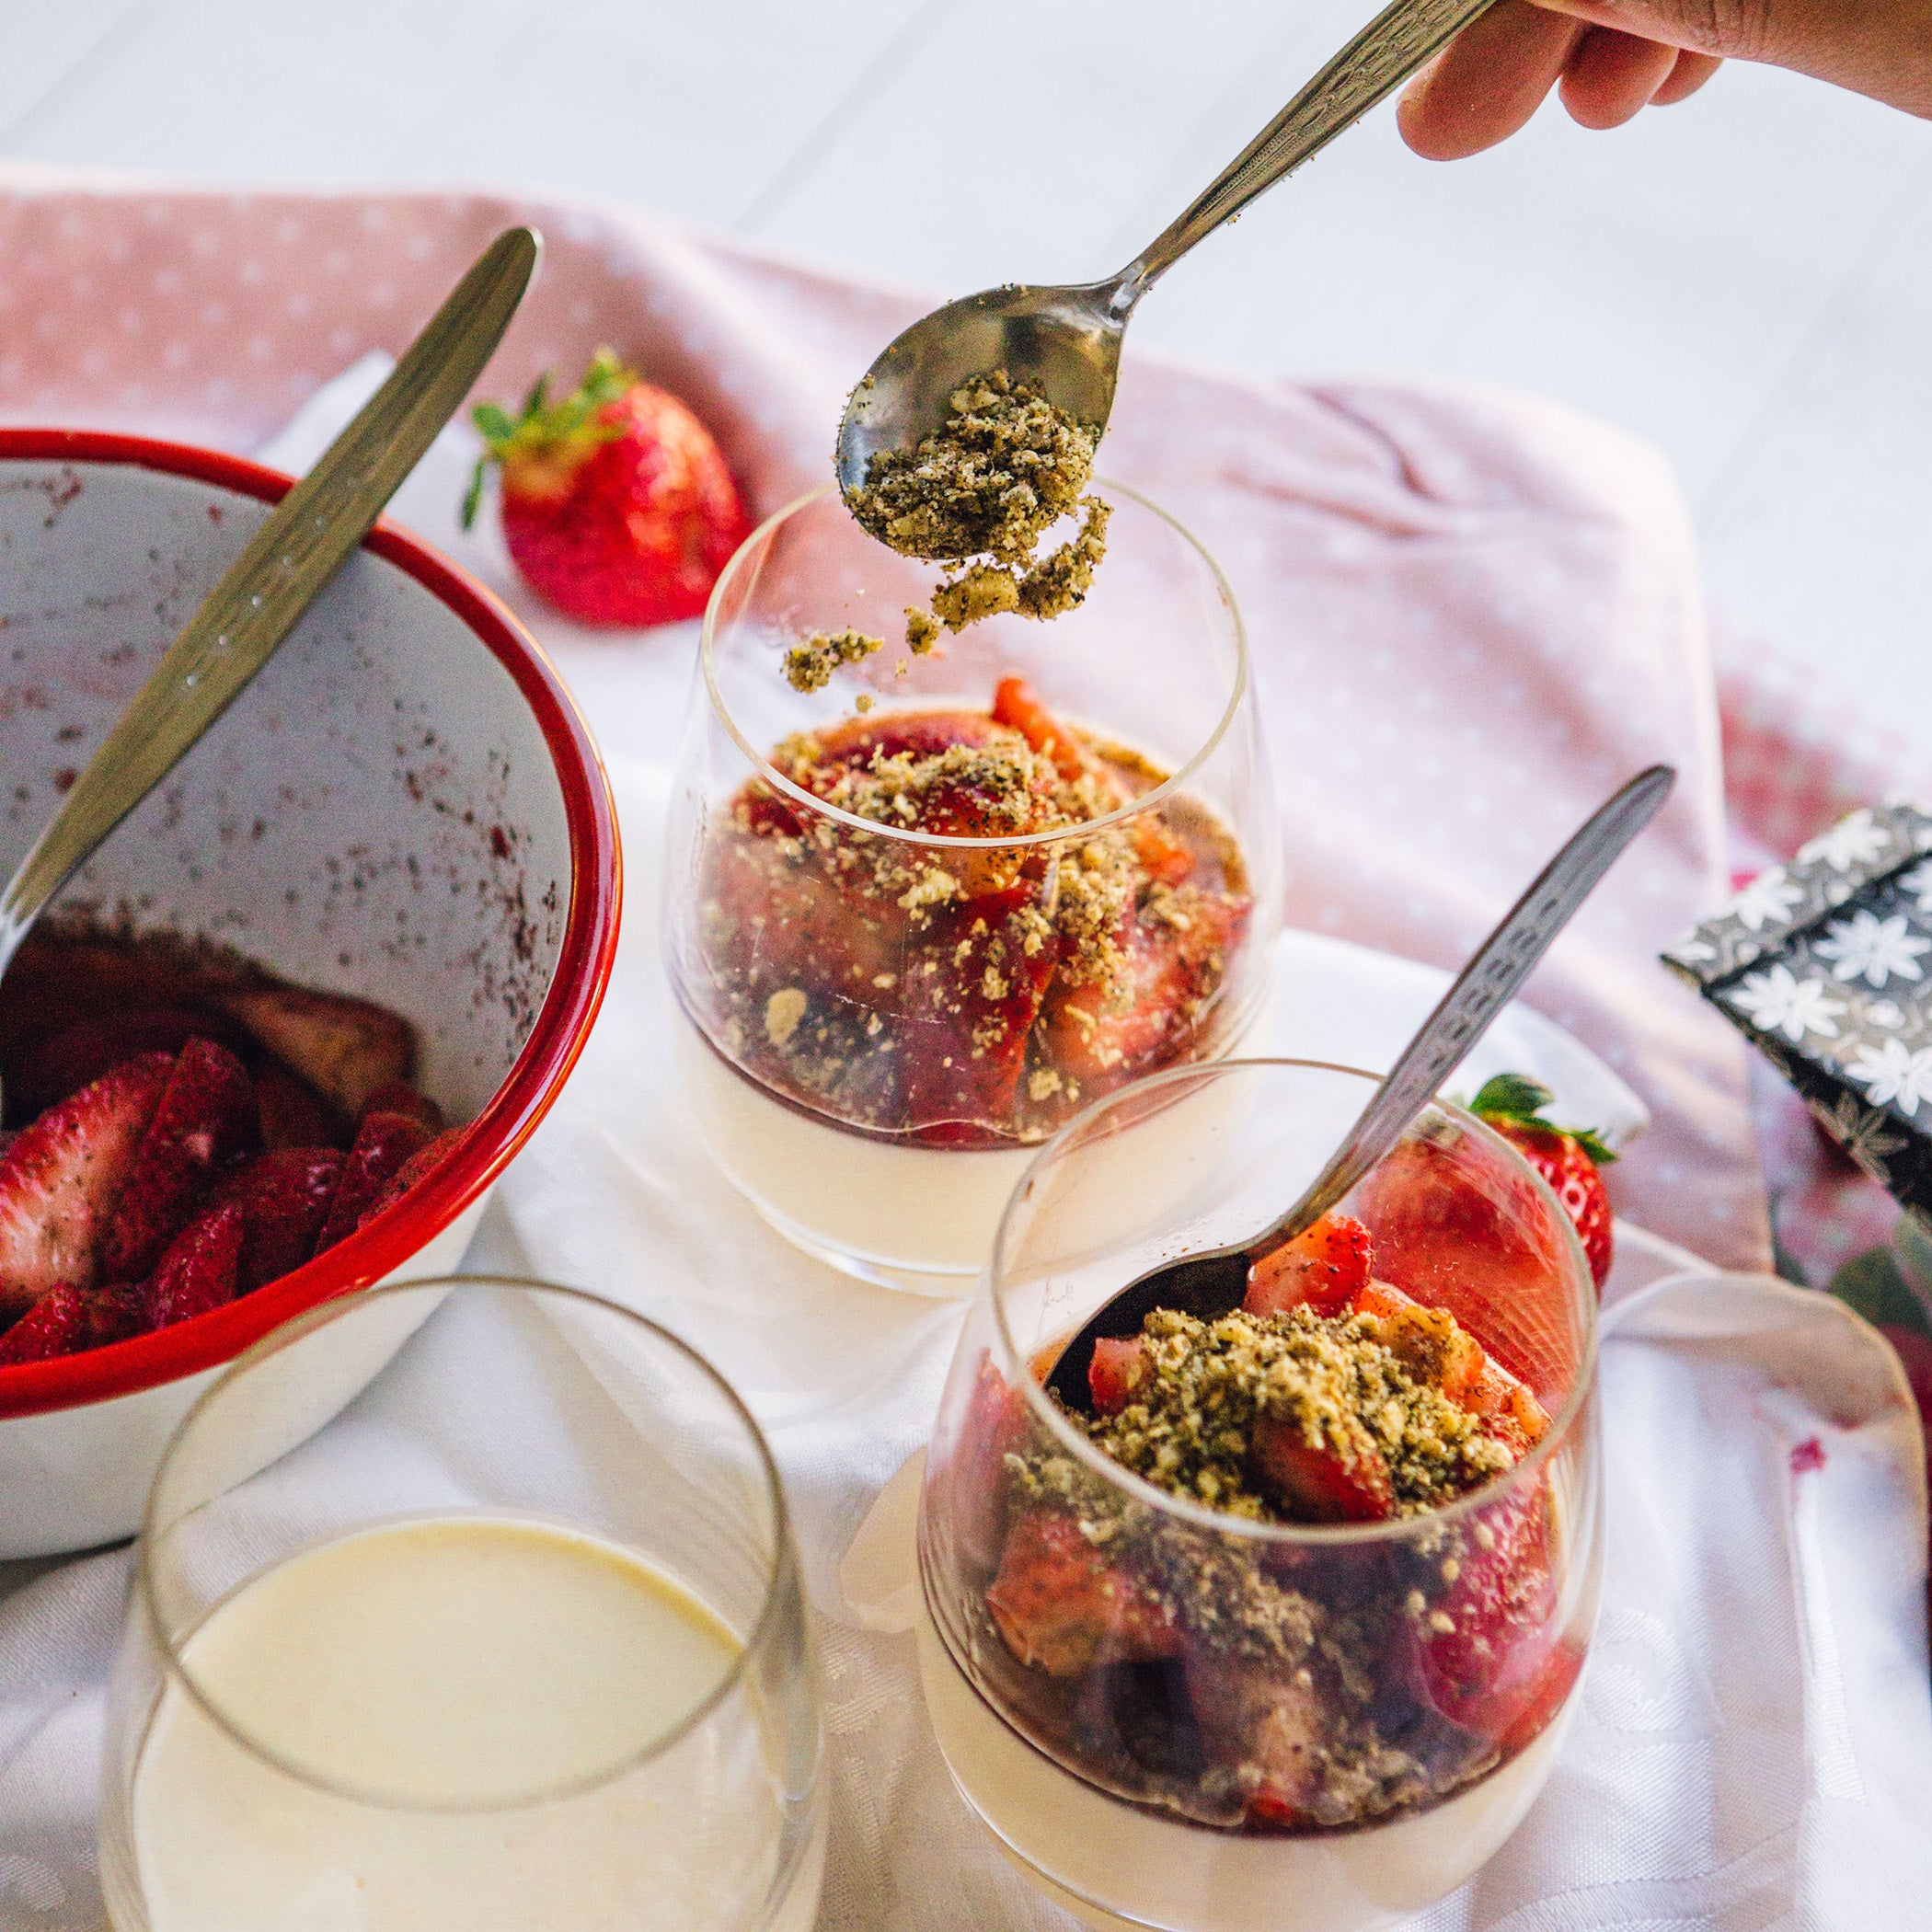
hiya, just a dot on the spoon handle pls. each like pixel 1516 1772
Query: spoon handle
pixel 1490 979
pixel 278 576
pixel 1376 62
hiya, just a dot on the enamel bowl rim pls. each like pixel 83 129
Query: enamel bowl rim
pixel 563 1023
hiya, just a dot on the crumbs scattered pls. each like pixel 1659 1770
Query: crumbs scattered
pixel 980 492
pixel 809 666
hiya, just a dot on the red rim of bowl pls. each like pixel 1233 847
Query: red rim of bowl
pixel 577 985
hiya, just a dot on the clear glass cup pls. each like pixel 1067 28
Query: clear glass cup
pixel 515 1642
pixel 880 1021
pixel 1231 1725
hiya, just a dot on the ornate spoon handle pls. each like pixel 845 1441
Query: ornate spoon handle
pixel 1399 39
pixel 1490 979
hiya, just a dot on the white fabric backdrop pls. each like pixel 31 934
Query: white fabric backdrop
pixel 1754 1744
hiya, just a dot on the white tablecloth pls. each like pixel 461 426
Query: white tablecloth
pixel 1755 1744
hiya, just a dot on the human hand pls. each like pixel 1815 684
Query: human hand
pixel 1611 58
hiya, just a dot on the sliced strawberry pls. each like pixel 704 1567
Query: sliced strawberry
pixel 895 734
pixel 995 1425
pixel 973 992
pixel 344 1048
pixel 1063 1607
pixel 292 1113
pixel 1542 1697
pixel 413 1171
pixel 1315 1482
pixel 1325 1266
pixel 383 1143
pixel 1436 1347
pixel 199 1270
pixel 776 917
pixel 1267 1725
pixel 1099 1044
pixel 60 1323
pixel 1497 1264
pixel 283 1197
pixel 206 1117
pixel 1488 1666
pixel 1570 1159
pixel 60 1064
pixel 1118 1368
pixel 1015 703
pixel 118 1311
pixel 399 1096
pixel 59 1180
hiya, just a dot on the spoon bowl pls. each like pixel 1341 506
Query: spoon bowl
pixel 1065 342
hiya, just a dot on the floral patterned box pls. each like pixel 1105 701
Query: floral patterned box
pixel 1825 966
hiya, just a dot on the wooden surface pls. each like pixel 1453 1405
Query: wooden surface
pixel 1745 279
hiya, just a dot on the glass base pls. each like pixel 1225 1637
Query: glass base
pixel 942 1284
pixel 1184 1878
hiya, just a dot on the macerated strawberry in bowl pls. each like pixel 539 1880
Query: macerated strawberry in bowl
pixel 194 1146
pixel 392 865
pixel 1302 1590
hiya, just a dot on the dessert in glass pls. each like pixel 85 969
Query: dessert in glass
pixel 543 1664
pixel 922 911
pixel 1278 1618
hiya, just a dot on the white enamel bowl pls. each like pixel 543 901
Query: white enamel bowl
pixel 404 805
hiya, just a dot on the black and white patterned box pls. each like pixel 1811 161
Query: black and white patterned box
pixel 1825 966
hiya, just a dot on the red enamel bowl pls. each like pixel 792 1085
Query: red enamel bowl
pixel 404 805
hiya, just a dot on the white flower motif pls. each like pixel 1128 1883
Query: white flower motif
pixel 1694 951
pixel 1852 841
pixel 1885 1013
pixel 1779 1003
pixel 1768 896
pixel 1894 1073
pixel 1866 946
pixel 1918 882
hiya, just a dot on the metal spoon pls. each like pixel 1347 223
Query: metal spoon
pixel 1208 1285
pixel 1065 342
pixel 278 576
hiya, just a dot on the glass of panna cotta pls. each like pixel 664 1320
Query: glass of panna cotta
pixel 922 911
pixel 518 1642
pixel 1272 1616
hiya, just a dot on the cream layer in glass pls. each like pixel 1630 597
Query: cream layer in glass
pixel 493 1688
pixel 920 1217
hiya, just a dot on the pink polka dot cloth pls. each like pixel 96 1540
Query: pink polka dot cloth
pixel 1473 614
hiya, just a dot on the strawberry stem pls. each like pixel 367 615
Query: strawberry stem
pixel 1517 1098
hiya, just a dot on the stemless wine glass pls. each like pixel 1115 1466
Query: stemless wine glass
pixel 516 1643
pixel 1220 1724
pixel 880 1018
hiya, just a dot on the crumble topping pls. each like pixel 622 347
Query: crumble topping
pixel 1335 1378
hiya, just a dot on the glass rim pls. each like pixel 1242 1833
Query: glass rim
pixel 1200 1515
pixel 785 787
pixel 175 1667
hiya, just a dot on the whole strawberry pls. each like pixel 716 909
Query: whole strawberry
pixel 1567 1158
pixel 617 506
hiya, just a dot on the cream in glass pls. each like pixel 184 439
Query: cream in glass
pixel 503 1716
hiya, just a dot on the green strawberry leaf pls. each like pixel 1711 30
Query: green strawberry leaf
pixel 472 496
pixel 1512 1097
pixel 1517 1098
pixel 495 428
